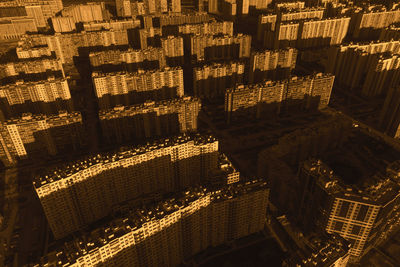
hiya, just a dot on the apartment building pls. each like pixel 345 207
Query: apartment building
pixel 82 192
pixel 354 214
pixel 209 47
pixel 34 136
pixel 210 81
pixel 272 64
pixel 271 98
pixel 129 60
pixel 127 88
pixel 173 230
pixel 149 120
pixel 42 97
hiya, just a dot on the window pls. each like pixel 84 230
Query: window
pixel 362 213
pixel 356 230
pixel 337 226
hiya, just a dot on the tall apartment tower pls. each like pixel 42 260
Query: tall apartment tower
pixel 209 47
pixel 351 63
pixel 272 98
pixel 42 97
pixel 266 24
pixel 123 8
pixel 160 167
pixel 151 119
pixel 173 230
pixel 211 27
pixel 173 50
pixel 367 25
pixel 156 6
pixel 49 8
pixel 127 88
pixel 42 66
pixel 211 81
pixel 389 118
pixel 272 64
pixel 66 46
pixel 128 60
pixel 361 216
pixel 31 136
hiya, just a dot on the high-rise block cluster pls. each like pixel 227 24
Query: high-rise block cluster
pixel 173 230
pixel 83 192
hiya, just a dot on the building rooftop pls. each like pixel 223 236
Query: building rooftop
pixel 317 249
pixel 135 219
pixel 68 169
pixel 140 108
pixel 378 189
pixel 29 117
pixel 102 74
pixel 50 79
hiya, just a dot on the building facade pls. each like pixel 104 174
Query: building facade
pixel 127 88
pixel 149 120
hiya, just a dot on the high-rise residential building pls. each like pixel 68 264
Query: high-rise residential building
pixel 176 19
pixel 123 8
pixel 173 230
pixel 271 98
pixel 86 12
pixel 382 74
pixel 175 6
pixel 366 25
pixel 66 46
pixel 307 33
pixel 299 5
pixel 41 97
pixel 324 32
pixel 266 24
pixel 389 117
pixel 317 138
pixel 213 6
pixel 355 64
pixel 127 88
pixel 25 51
pixel 358 198
pixel 128 8
pixel 36 13
pixel 390 33
pixel 362 215
pixel 300 14
pixel 63 24
pixel 212 27
pixel 285 35
pixel 272 64
pixel 137 8
pixel 31 136
pixel 128 60
pixel 123 24
pixel 211 81
pixel 49 7
pixel 242 7
pixel 209 47
pixel 156 6
pixel 92 186
pixel 149 120
pixel 173 50
pixel 32 66
pixel 148 37
pixel 15 28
